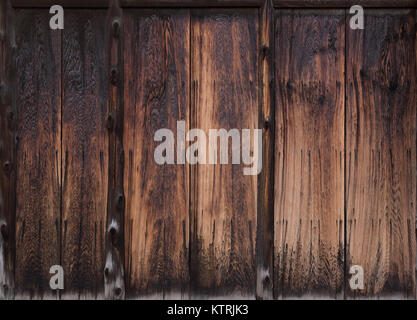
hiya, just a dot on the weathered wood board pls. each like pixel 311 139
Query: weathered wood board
pixel 156 96
pixel 381 106
pixel 38 101
pixel 84 152
pixel 224 63
pixel 309 154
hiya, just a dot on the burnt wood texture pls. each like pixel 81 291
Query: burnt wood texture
pixel 309 153
pixel 38 126
pixel 381 106
pixel 79 185
pixel 84 151
pixel 156 96
pixel 224 69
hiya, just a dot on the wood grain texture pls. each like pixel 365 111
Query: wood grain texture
pixel 156 58
pixel 224 201
pixel 309 154
pixel 38 99
pixel 265 229
pixel 381 153
pixel 7 151
pixel 84 152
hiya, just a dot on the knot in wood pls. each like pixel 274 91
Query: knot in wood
pixel 4 232
pixel 114 73
pixel 6 166
pixel 116 23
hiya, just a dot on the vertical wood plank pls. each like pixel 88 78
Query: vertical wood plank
pixel 309 154
pixel 114 267
pixel 38 99
pixel 381 153
pixel 224 201
pixel 85 152
pixel 156 55
pixel 265 230
pixel 7 151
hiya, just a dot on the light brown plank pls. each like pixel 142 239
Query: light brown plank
pixel 224 201
pixel 156 96
pixel 381 153
pixel 309 154
pixel 38 100
pixel 85 152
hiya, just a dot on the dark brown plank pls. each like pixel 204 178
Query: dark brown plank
pixel 84 152
pixel 309 158
pixel 64 3
pixel 7 151
pixel 38 99
pixel 156 59
pixel 224 201
pixel 220 3
pixel 381 153
pixel 265 230
pixel 345 3
pixel 138 3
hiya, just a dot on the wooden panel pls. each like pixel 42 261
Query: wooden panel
pixel 84 152
pixel 157 206
pixel 38 98
pixel 224 200
pixel 309 158
pixel 381 152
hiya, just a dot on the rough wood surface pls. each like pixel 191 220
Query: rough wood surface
pixel 84 152
pixel 265 230
pixel 7 151
pixel 156 96
pixel 381 153
pixel 224 201
pixel 309 154
pixel 38 100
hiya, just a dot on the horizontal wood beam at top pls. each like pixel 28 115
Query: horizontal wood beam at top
pixel 219 3
pixel 137 3
pixel 345 3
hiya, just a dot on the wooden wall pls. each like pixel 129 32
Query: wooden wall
pixel 79 186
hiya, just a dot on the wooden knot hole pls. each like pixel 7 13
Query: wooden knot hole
pixel 116 27
pixel 120 201
pixel 110 122
pixel 3 231
pixel 113 233
pixel 267 123
pixel 264 51
pixel 118 291
pixel 6 166
pixel 114 73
